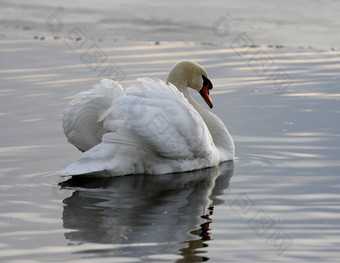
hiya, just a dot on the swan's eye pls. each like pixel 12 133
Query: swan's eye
pixel 206 82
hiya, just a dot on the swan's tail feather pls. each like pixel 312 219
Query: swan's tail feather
pixel 117 154
pixel 98 158
pixel 80 121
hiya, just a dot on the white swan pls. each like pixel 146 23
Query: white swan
pixel 154 127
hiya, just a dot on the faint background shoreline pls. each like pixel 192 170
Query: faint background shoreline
pixel 286 23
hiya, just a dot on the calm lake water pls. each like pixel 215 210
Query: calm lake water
pixel 277 202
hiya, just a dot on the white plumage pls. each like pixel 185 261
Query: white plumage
pixel 149 128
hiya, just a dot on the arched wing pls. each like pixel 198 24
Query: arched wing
pixel 80 121
pixel 163 117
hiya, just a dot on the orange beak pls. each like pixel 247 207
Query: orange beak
pixel 207 85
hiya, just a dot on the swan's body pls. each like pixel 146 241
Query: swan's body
pixel 153 128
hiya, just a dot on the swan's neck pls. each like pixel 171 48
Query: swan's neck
pixel 217 129
pixel 208 117
pixel 219 133
pixel 205 114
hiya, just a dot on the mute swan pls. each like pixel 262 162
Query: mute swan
pixel 154 127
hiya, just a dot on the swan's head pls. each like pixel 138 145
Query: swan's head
pixel 190 74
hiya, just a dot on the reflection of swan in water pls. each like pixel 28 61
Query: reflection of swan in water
pixel 145 214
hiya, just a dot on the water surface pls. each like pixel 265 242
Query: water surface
pixel 278 201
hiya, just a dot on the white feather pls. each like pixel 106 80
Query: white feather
pixel 148 128
pixel 80 122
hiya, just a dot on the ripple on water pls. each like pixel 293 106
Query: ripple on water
pixel 287 146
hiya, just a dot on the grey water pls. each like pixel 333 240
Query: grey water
pixel 279 199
